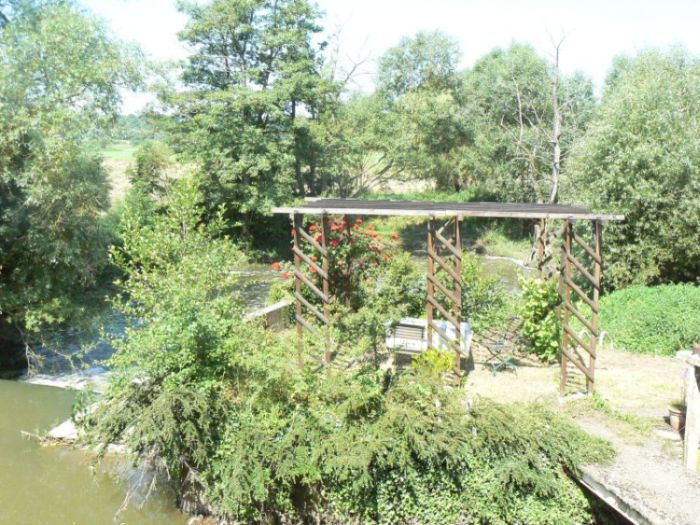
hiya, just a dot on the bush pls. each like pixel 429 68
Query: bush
pixel 656 320
pixel 541 324
pixel 485 302
pixel 151 160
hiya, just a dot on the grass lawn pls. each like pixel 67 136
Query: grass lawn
pixel 121 150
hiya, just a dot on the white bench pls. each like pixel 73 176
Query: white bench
pixel 410 336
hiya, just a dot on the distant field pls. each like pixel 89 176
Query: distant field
pixel 121 150
pixel 117 157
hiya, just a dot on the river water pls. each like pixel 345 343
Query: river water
pixel 45 485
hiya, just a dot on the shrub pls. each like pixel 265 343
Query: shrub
pixel 541 325
pixel 151 160
pixel 656 320
pixel 485 301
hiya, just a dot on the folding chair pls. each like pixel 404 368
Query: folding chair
pixel 501 348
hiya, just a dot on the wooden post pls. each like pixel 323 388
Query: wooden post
pixel 457 306
pixel 565 292
pixel 431 287
pixel 541 230
pixel 597 271
pixel 298 225
pixel 691 439
pixel 325 228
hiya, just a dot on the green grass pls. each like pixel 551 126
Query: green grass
pixel 121 150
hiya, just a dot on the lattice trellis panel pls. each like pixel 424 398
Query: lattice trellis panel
pixel 579 288
pixel 304 239
pixel 445 259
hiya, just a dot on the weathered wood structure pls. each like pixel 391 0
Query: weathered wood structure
pixel 577 270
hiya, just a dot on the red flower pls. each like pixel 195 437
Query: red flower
pixel 276 266
pixel 312 269
pixel 356 227
pixel 314 258
pixel 370 228
pixel 293 232
pixel 395 236
pixel 285 276
pixel 319 236
pixel 334 243
pixel 358 221
pixel 313 228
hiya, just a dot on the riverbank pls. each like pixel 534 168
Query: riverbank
pixel 62 485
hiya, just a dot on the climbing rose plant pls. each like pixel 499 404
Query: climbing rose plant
pixel 356 251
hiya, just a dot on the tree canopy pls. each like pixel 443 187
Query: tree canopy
pixel 60 74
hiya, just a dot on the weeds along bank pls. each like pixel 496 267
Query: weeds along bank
pixel 263 434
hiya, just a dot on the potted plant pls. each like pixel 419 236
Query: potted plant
pixel 676 415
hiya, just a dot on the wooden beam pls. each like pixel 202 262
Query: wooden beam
pixel 431 287
pixel 581 318
pixel 565 292
pixel 432 254
pixel 298 227
pixel 591 279
pixel 597 273
pixel 325 239
pixel 577 363
pixel 578 340
pixel 447 212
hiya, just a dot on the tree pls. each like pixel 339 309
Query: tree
pixel 641 157
pixel 524 111
pixel 60 75
pixel 417 83
pixel 429 60
pixel 253 85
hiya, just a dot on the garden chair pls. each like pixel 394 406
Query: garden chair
pixel 501 347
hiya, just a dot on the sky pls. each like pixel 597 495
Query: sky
pixel 595 31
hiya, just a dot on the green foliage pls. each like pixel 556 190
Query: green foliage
pixel 254 85
pixel 60 75
pixel 640 157
pixel 231 413
pixel 434 362
pixel 426 61
pixel 484 300
pixel 541 325
pixel 151 160
pixel 658 320
pixel 508 94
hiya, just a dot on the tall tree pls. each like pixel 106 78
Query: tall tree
pixel 527 115
pixel 418 82
pixel 253 85
pixel 60 75
pixel 641 156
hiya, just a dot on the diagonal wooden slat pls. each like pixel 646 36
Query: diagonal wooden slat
pixel 576 338
pixel 310 307
pixel 313 242
pixel 454 343
pixel 311 263
pixel 577 362
pixel 311 285
pixel 583 244
pixel 581 318
pixel 444 265
pixel 447 315
pixel 572 285
pixel 590 278
pixel 448 244
pixel 448 293
pixel 303 322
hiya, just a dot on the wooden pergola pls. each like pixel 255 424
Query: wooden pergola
pixel 580 266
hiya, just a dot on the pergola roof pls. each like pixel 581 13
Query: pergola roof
pixel 314 206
